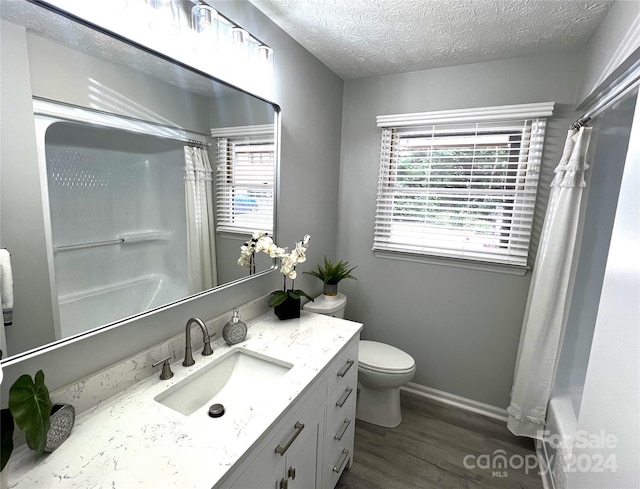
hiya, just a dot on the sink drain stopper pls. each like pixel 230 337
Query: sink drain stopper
pixel 216 410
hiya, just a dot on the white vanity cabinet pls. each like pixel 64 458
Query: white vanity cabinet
pixel 342 380
pixel 260 443
pixel 287 458
pixel 313 443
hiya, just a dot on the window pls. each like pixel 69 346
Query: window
pixel 460 184
pixel 245 175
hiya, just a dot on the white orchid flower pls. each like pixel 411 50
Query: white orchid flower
pixel 276 252
pixel 264 243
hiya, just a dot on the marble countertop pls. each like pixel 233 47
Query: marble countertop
pixel 130 440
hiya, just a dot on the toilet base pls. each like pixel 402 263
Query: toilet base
pixel 379 407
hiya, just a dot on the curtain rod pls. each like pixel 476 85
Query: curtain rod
pixel 610 93
pixel 75 113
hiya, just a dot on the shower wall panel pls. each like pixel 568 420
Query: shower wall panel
pixel 111 186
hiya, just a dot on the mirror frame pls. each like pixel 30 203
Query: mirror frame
pixel 13 359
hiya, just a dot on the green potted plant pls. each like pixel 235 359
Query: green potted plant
pixel 331 274
pixel 30 408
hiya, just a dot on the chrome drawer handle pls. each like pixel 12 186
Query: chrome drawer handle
pixel 338 436
pixel 343 371
pixel 282 449
pixel 344 397
pixel 338 468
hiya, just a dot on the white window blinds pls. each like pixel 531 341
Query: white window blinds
pixel 245 174
pixel 460 184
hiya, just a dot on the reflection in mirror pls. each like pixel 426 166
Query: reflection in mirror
pixel 128 182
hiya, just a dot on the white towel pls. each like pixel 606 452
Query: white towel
pixel 6 297
pixel 6 285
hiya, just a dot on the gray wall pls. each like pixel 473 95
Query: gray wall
pixel 239 110
pixel 21 221
pixel 462 326
pixel 616 38
pixel 311 99
pixel 66 75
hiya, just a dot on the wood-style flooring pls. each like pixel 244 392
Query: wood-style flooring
pixel 438 447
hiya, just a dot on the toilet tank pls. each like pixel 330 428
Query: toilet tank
pixel 328 305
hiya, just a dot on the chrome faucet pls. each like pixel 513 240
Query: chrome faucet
pixel 188 352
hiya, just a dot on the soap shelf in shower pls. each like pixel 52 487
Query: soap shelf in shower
pixel 125 238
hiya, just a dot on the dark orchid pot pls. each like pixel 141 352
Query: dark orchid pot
pixel 288 309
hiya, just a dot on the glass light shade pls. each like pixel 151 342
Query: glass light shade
pixel 263 59
pixel 264 55
pixel 239 36
pixel 239 53
pixel 204 21
pixel 166 16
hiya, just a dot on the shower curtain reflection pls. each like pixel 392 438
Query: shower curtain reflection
pixel 200 224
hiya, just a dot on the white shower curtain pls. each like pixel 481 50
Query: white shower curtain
pixel 200 226
pixel 549 293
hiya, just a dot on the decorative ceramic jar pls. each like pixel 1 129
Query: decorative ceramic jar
pixel 235 331
pixel 61 420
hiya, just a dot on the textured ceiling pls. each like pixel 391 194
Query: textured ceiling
pixel 357 38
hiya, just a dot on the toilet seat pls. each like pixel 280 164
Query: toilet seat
pixel 383 358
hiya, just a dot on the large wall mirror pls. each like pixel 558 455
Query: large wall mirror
pixel 128 182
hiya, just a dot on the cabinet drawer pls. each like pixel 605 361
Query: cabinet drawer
pixel 340 405
pixel 337 454
pixel 343 371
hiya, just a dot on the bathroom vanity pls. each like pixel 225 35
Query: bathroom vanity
pixel 292 429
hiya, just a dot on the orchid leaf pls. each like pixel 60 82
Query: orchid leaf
pixel 296 294
pixel 277 298
pixel 30 406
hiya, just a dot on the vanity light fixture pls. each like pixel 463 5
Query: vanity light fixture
pixel 189 31
pixel 264 61
pixel 204 22
pixel 166 16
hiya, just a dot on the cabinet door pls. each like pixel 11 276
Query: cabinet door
pixel 252 479
pixel 302 460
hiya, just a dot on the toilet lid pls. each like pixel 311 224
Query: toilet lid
pixel 383 357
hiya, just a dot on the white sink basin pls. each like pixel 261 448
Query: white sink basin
pixel 233 379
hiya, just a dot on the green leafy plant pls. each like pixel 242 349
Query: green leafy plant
pixel 332 273
pixel 29 407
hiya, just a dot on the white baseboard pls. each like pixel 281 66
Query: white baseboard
pixel 456 401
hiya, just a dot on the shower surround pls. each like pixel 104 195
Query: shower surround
pixel 116 201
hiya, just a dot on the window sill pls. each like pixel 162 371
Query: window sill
pixel 453 262
pixel 239 235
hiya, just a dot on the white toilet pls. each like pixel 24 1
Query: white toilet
pixel 382 369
